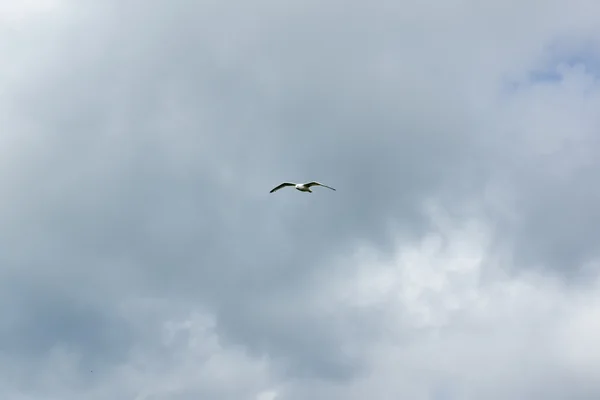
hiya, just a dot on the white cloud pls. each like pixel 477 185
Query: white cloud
pixel 453 316
pixel 267 395
pixel 16 13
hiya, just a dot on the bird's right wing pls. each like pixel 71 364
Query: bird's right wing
pixel 284 184
pixel 313 183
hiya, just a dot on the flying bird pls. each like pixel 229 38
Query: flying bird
pixel 303 187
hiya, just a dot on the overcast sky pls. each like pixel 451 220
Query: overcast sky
pixel 142 256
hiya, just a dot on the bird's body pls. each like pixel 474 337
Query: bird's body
pixel 302 187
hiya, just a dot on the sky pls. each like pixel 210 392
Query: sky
pixel 142 256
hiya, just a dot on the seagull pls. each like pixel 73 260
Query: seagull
pixel 303 187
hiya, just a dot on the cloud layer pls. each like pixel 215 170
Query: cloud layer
pixel 142 256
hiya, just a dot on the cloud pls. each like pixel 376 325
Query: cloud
pixel 446 320
pixel 553 126
pixel 454 323
pixel 139 241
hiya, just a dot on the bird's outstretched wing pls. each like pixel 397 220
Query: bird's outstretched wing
pixel 309 184
pixel 284 184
